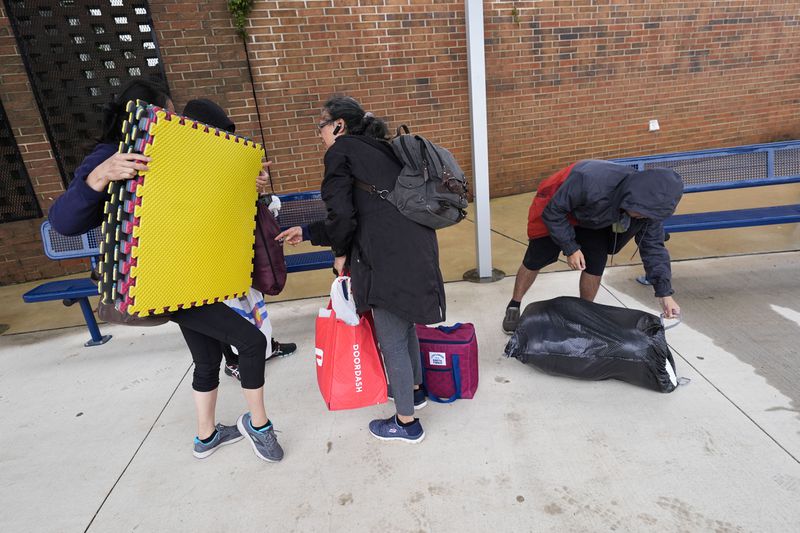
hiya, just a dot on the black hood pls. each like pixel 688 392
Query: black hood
pixel 654 193
pixel 208 112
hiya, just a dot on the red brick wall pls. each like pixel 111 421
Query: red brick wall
pixel 577 79
pixel 204 58
pixel 566 79
pixel 405 61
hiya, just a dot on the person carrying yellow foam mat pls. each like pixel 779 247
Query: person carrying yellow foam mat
pixel 80 209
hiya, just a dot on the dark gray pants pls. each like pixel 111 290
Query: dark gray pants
pixel 400 348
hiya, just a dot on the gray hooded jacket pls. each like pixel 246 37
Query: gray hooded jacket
pixel 597 193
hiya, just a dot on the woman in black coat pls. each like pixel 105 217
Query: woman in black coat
pixel 393 261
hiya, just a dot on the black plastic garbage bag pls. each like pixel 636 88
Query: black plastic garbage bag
pixel 568 336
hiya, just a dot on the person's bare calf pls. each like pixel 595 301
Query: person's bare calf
pixel 523 282
pixel 588 286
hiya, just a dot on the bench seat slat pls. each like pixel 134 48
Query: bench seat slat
pixel 737 218
pixel 309 261
pixel 68 289
pixel 740 184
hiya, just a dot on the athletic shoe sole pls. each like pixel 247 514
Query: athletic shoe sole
pixel 280 356
pixel 402 439
pixel 243 431
pixel 203 455
pixel 271 357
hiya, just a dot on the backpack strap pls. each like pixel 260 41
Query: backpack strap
pixel 402 128
pixel 371 189
pixel 431 156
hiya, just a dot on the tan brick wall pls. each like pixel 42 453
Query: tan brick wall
pixel 566 79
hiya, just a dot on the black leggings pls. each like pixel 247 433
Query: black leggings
pixel 206 329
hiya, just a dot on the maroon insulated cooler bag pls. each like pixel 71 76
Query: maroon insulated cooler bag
pixel 449 361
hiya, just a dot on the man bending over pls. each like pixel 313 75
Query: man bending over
pixel 591 209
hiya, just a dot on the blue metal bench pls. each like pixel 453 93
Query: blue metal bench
pixel 730 168
pixel 298 209
pixel 57 246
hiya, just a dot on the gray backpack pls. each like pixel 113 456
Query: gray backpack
pixel 431 189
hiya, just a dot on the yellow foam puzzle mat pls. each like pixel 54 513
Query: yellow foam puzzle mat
pixel 181 233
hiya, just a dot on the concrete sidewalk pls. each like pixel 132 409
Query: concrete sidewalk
pixel 100 438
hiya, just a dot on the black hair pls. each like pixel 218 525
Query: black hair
pixel 358 121
pixel 207 112
pixel 114 112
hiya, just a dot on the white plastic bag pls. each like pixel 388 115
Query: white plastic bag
pixel 275 206
pixel 252 307
pixel 342 301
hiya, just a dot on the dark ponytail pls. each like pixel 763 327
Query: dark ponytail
pixel 358 121
pixel 114 112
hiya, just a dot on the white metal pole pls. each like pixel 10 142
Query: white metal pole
pixel 480 147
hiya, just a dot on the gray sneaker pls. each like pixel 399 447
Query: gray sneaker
pixel 225 435
pixel 511 320
pixel 265 444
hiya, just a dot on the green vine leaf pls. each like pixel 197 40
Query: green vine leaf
pixel 240 9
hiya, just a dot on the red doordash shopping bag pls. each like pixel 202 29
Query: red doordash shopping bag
pixel 349 367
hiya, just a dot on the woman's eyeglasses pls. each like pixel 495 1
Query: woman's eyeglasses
pixel 325 123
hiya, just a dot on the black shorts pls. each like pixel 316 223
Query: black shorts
pixel 596 245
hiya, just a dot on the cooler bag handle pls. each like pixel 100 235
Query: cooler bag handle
pixel 449 329
pixel 456 370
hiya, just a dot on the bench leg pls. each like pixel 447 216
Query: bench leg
pixel 91 323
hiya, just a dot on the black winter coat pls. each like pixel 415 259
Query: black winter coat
pixel 393 261
pixel 596 192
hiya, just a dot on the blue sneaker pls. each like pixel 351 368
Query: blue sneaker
pixel 264 442
pixel 225 435
pixel 389 429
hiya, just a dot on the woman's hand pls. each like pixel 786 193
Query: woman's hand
pixel 293 235
pixel 115 168
pixel 338 264
pixel 263 177
pixel 670 307
pixel 576 261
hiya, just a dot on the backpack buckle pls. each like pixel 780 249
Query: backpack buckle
pixel 383 194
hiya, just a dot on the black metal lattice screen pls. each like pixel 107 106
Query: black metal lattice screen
pixel 78 53
pixel 17 197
